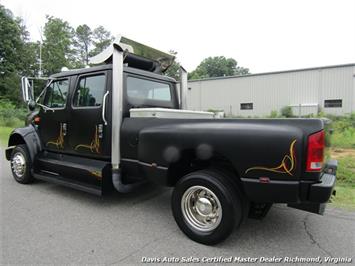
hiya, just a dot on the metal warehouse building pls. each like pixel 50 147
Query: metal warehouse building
pixel 330 89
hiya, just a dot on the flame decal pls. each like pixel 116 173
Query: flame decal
pixel 287 165
pixel 59 142
pixel 94 145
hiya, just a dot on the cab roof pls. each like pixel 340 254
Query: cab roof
pixel 126 69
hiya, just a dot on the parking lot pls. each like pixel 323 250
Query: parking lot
pixel 44 223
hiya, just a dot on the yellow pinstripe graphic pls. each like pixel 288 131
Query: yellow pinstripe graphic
pixel 97 174
pixel 94 145
pixel 59 142
pixel 287 165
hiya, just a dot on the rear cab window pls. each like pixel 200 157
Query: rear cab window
pixel 146 92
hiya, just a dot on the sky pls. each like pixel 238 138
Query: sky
pixel 263 36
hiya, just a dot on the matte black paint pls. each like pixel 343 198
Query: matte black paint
pixel 244 142
pixel 151 146
pixel 29 136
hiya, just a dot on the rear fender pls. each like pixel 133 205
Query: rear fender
pixel 25 135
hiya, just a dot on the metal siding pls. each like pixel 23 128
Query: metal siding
pixel 337 84
pixel 274 91
pixel 193 96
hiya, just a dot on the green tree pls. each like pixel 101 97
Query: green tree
pixel 217 66
pixel 30 59
pixel 58 50
pixel 16 55
pixel 10 42
pixel 174 70
pixel 29 53
pixel 83 40
pixel 101 39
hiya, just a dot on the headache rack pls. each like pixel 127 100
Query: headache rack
pixel 136 55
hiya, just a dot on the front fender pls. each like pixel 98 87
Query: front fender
pixel 25 135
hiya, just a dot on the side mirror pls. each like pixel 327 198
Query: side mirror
pixel 31 105
pixel 27 89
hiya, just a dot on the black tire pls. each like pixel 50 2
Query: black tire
pixel 228 197
pixel 20 152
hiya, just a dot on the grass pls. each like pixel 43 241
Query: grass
pixel 345 197
pixel 343 131
pixel 345 186
pixel 343 138
pixel 4 135
pixel 11 116
pixel 346 168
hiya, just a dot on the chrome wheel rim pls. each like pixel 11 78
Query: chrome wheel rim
pixel 201 208
pixel 18 164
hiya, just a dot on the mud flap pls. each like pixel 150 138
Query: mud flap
pixel 259 210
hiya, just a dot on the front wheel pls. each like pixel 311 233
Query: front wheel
pixel 206 206
pixel 21 165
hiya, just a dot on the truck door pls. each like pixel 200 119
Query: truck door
pixel 53 120
pixel 89 119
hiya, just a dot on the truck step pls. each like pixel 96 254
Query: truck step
pixel 73 171
pixel 69 183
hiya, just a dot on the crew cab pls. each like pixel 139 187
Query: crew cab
pixel 122 123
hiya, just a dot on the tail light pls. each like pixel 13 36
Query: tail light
pixel 315 152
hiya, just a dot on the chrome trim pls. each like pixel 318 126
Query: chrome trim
pixel 183 88
pixel 150 165
pixel 201 209
pixel 116 102
pixel 10 147
pixel 50 80
pixel 24 85
pixel 165 60
pixel 104 108
pixel 130 160
pixel 18 164
pixel 49 172
pixel 144 163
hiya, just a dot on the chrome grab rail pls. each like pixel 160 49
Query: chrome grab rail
pixel 104 108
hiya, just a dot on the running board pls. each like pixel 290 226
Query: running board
pixel 69 183
pixel 80 173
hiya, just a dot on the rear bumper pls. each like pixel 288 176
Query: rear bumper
pixel 321 192
pixel 305 195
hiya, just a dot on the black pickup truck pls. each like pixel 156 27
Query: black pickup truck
pixel 122 123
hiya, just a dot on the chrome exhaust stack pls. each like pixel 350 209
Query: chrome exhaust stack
pixel 183 88
pixel 117 104
pixel 124 50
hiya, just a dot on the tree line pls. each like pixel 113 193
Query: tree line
pixel 63 45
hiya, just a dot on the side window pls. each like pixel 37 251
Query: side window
pixel 333 103
pixel 246 106
pixel 90 91
pixel 141 89
pixel 56 94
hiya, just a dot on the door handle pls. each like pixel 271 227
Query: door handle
pixel 64 129
pixel 104 108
